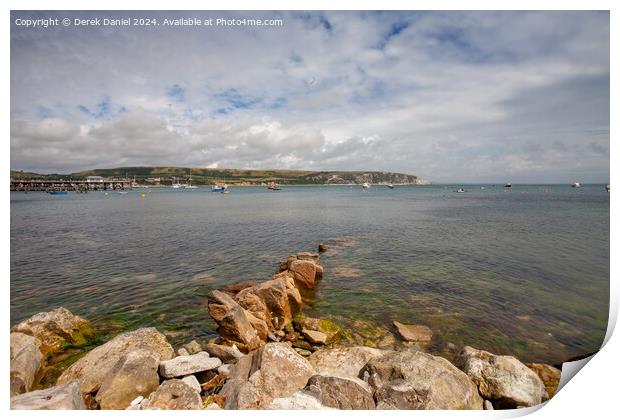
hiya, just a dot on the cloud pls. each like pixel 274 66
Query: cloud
pixel 450 96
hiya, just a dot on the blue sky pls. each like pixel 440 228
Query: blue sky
pixel 448 96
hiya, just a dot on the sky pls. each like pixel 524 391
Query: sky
pixel 447 96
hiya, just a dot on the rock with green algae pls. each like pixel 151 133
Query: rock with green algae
pixel 332 331
pixel 56 330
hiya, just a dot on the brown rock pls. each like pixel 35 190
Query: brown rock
pixel 174 394
pixel 323 247
pixel 419 333
pixel 235 327
pixel 341 393
pixel 219 303
pixel 56 330
pixel 343 361
pixel 227 354
pixel 548 374
pixel 309 256
pixel 315 337
pixel 273 371
pixel 304 273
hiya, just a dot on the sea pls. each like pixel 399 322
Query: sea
pixel 522 271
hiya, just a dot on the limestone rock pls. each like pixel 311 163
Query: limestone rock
pixel 419 333
pixel 227 354
pixel 26 361
pixel 548 374
pixel 59 397
pixel 504 380
pixel 345 361
pixel 56 330
pixel 315 337
pixel 300 400
pixel 273 371
pixel 174 394
pixel 186 365
pixel 416 380
pixel 121 356
pixel 341 393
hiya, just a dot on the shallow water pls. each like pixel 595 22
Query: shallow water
pixel 524 272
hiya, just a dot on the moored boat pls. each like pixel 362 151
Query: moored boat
pixel 365 185
pixel 576 184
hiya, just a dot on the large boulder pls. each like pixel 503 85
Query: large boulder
pixel 341 393
pixel 174 394
pixel 304 273
pixel 416 380
pixel 122 369
pixel 549 375
pixel 59 397
pixel 343 361
pixel 187 365
pixel 56 330
pixel 273 371
pixel 504 380
pixel 269 301
pixel 219 303
pixel 235 328
pixel 25 362
pixel 227 354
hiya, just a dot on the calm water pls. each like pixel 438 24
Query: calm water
pixel 524 272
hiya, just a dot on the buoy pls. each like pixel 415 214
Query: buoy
pixel 142 195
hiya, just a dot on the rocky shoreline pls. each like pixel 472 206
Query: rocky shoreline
pixel 269 355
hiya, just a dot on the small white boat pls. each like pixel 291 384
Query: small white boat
pixel 460 190
pixel 508 185
pixel 390 186
pixel 365 185
pixel 576 185
pixel 189 185
pixel 607 188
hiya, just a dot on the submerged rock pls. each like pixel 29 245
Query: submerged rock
pixel 323 247
pixel 504 380
pixel 341 393
pixel 187 365
pixel 56 330
pixel 59 397
pixel 343 361
pixel 227 354
pixel 419 333
pixel 548 374
pixel 26 361
pixel 331 330
pixel 127 366
pixel 174 394
pixel 416 380
pixel 315 337
pixel 273 371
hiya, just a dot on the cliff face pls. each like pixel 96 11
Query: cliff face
pixel 362 177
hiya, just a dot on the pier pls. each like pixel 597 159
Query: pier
pixel 70 185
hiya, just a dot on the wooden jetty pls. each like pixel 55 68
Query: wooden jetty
pixel 70 185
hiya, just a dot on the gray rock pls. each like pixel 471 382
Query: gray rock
pixel 174 394
pixel 193 382
pixel 488 405
pixel 227 354
pixel 193 347
pixel 182 352
pixel 343 361
pixel 26 361
pixel 272 337
pixel 273 371
pixel 416 380
pixel 59 397
pixel 303 352
pixel 186 365
pixel 504 380
pixel 109 359
pixel 341 393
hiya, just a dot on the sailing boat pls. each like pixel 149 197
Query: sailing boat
pixel 189 185
pixel 175 183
